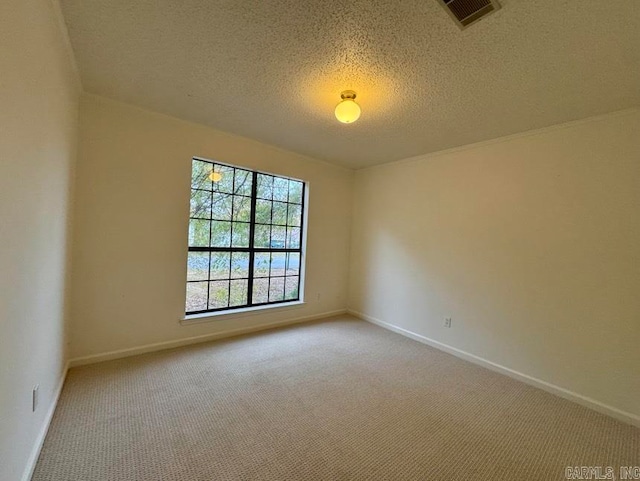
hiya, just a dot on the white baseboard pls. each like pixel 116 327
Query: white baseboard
pixel 585 401
pixel 159 346
pixel 37 447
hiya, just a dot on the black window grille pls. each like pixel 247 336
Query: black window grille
pixel 245 238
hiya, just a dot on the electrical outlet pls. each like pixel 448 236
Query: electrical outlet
pixel 447 322
pixel 34 397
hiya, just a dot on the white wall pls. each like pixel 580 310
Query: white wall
pixel 531 244
pixel 39 93
pixel 132 207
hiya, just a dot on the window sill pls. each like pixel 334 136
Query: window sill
pixel 237 313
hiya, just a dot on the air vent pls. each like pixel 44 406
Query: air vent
pixel 466 12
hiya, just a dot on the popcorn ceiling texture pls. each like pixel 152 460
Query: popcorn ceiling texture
pixel 273 71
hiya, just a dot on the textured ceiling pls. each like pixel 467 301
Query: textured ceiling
pixel 273 70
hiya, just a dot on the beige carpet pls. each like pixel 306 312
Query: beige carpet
pixel 333 400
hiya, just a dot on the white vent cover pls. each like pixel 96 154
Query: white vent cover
pixel 466 12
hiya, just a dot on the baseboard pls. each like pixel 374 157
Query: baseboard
pixel 585 401
pixel 37 447
pixel 160 346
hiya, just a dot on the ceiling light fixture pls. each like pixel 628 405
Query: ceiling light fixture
pixel 348 111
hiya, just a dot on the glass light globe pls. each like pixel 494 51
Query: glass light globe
pixel 348 111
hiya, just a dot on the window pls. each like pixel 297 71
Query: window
pixel 245 238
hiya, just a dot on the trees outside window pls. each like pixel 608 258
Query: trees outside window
pixel 245 238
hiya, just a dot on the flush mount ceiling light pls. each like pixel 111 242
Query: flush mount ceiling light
pixel 215 176
pixel 348 111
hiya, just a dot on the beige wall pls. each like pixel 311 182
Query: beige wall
pixel 531 244
pixel 132 206
pixel 39 93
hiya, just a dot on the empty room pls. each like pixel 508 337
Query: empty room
pixel 319 240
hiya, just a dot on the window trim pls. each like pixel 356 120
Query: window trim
pixel 194 316
pixel 223 315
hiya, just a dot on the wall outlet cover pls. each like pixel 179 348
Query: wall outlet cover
pixel 34 398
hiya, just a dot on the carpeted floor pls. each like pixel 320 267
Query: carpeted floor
pixel 332 400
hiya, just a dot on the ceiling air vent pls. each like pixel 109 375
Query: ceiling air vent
pixel 466 12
